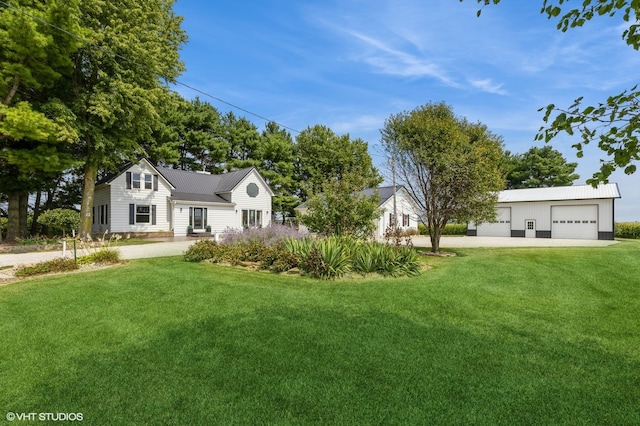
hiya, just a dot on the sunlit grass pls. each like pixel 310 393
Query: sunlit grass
pixel 492 336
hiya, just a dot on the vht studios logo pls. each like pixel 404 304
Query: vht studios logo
pixel 52 417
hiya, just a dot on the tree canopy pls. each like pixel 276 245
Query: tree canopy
pixel 451 167
pixel 539 167
pixel 323 155
pixel 614 123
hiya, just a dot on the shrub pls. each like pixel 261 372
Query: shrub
pixel 327 258
pixel 449 229
pixel 365 259
pixel 250 251
pixel 104 256
pixel 627 230
pixel 269 235
pixel 202 250
pixel 64 220
pixel 39 240
pixel 278 258
pixel 55 265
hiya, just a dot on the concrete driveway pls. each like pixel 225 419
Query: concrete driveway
pixel 174 247
pixel 478 242
pixel 178 246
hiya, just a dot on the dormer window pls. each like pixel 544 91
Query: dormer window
pixel 136 180
pixel 142 180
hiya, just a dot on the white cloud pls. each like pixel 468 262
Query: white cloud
pixel 487 85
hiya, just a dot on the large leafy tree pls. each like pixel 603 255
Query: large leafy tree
pixel 539 167
pixel 451 167
pixel 323 155
pixel 614 124
pixel 35 127
pixel 130 52
pixel 243 139
pixel 189 136
pixel 276 153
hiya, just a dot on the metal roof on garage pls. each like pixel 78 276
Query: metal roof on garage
pixel 559 193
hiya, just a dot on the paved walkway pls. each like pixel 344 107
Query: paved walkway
pixel 178 246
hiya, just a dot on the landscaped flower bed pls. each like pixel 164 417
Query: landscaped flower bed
pixel 325 258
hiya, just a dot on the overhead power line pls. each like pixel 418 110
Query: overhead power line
pixel 117 55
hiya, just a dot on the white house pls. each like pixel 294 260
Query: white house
pixel 405 208
pixel 143 198
pixel 575 212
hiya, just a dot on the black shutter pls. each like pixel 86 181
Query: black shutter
pixel 93 215
pixel 132 214
pixel 155 182
pixel 106 214
pixel 128 180
pixel 153 214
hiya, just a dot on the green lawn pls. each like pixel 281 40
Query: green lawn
pixel 492 336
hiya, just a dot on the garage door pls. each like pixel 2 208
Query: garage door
pixel 579 222
pixel 500 228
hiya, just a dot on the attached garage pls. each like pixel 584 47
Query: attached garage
pixel 572 212
pixel 575 222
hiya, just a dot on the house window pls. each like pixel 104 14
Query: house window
pixel 251 218
pixel 405 220
pixel 143 213
pixel 147 182
pixel 100 214
pixel 136 180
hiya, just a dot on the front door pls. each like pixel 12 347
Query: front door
pixel 530 228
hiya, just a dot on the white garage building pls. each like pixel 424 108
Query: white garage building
pixel 577 212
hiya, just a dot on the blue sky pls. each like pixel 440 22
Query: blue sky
pixel 350 64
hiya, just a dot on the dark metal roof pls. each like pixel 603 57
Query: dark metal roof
pixel 385 192
pixel 111 176
pixel 203 183
pixel 193 186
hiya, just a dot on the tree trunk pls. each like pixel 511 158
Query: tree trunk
pixel 23 205
pixel 88 190
pixel 434 236
pixel 36 213
pixel 17 215
pixel 13 216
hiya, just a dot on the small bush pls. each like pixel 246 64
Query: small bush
pixel 278 258
pixel 269 235
pixel 105 256
pixel 38 240
pixel 251 251
pixel 55 265
pixel 449 229
pixel 627 230
pixel 202 250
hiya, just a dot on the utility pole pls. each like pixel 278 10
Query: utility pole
pixel 394 223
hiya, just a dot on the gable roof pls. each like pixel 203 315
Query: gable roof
pixel 560 193
pixel 194 186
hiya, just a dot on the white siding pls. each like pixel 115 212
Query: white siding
pixel 541 212
pixel 101 197
pixel 121 197
pixel 403 207
pixel 222 217
pixel 243 201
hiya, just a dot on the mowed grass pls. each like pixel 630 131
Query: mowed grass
pixel 492 336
